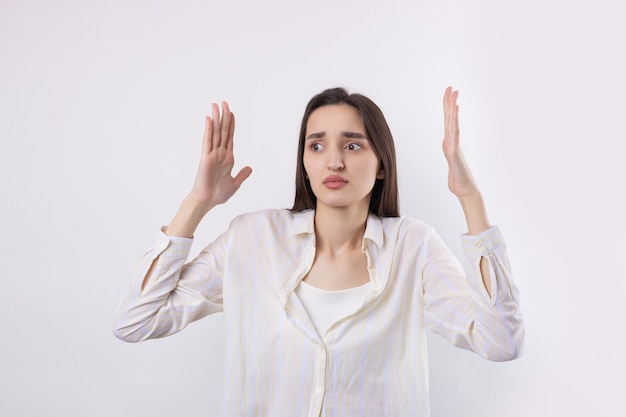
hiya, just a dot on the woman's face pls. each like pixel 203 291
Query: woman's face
pixel 340 162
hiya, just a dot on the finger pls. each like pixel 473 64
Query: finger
pixel 206 139
pixel 455 110
pixel 446 104
pixel 446 109
pixel 446 96
pixel 454 97
pixel 215 137
pixel 227 116
pixel 242 176
pixel 451 123
pixel 451 101
pixel 231 132
pixel 450 105
pixel 225 125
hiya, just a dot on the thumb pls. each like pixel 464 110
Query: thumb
pixel 242 176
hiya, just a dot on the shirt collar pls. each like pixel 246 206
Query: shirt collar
pixel 374 230
pixel 304 223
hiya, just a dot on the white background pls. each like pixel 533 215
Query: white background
pixel 101 116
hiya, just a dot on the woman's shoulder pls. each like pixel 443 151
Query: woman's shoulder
pixel 277 219
pixel 394 230
pixel 404 224
pixel 271 214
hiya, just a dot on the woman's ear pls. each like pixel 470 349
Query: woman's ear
pixel 381 174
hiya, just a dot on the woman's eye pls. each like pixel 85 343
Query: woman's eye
pixel 354 147
pixel 317 147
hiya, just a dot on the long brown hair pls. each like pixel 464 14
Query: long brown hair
pixel 384 200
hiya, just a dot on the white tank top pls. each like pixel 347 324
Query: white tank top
pixel 325 307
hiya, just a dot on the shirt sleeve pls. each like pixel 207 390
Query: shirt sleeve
pixel 176 293
pixel 458 307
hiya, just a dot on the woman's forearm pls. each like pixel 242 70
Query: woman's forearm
pixel 475 213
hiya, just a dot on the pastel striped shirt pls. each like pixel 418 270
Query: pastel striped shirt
pixel 370 363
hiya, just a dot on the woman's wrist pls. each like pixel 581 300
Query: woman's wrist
pixel 187 218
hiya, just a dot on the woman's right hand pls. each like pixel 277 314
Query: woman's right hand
pixel 214 183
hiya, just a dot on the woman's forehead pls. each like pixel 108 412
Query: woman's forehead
pixel 342 116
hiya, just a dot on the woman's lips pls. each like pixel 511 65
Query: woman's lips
pixel 334 182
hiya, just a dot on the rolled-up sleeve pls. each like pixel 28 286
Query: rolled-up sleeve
pixel 176 293
pixel 457 304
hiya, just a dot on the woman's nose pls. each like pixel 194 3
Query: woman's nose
pixel 335 161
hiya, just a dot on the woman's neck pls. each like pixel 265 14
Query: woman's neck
pixel 339 229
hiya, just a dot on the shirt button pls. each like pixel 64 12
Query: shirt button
pixel 318 390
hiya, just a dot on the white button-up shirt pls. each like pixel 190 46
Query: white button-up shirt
pixel 370 363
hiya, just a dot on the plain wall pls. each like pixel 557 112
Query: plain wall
pixel 101 117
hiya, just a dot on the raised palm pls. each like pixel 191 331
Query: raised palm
pixel 460 180
pixel 214 183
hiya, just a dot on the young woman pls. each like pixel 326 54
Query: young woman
pixel 326 305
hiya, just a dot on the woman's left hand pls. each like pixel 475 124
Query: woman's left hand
pixel 460 180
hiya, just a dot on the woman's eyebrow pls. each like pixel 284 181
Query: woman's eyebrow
pixel 317 135
pixel 354 135
pixel 351 135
